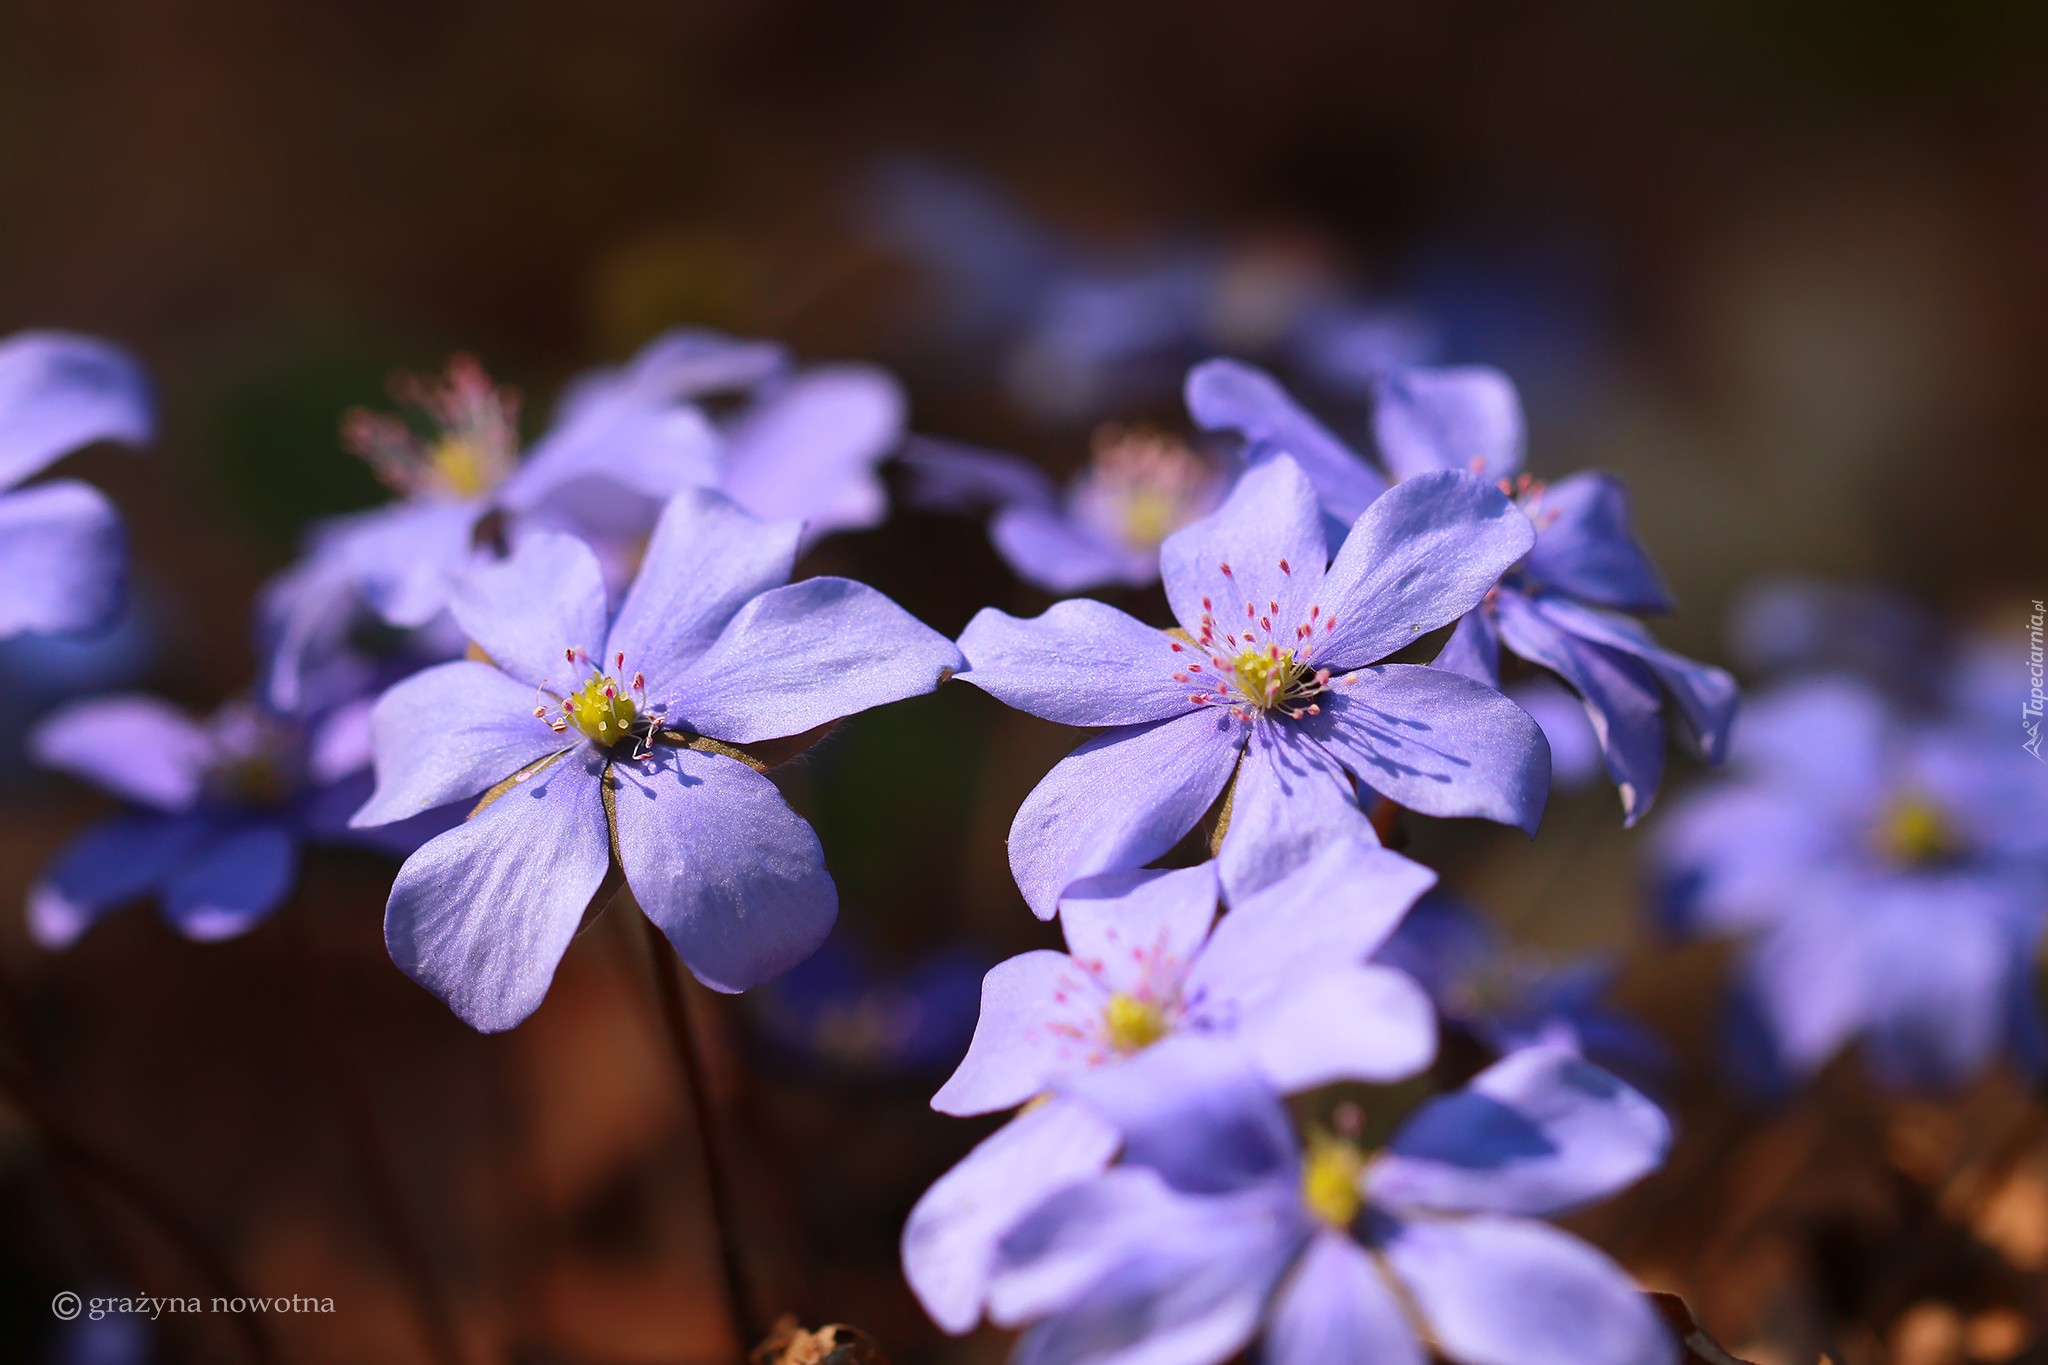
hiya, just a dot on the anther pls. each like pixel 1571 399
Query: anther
pixel 1284 568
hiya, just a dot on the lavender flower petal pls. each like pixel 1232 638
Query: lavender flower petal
pixel 1018 1043
pixel 1465 417
pixel 798 656
pixel 714 855
pixel 59 391
pixel 707 558
pixel 482 915
pixel 136 747
pixel 1082 662
pixel 1541 1131
pixel 1420 557
pixel 229 883
pixel 1108 920
pixel 1706 695
pixel 1049 551
pixel 1229 395
pixel 1336 911
pixel 105 867
pixel 1119 801
pixel 1588 550
pixel 524 612
pixel 447 733
pixel 1473 649
pixel 1270 519
pixel 808 451
pixel 1337 1309
pixel 1343 1023
pixel 1621 697
pixel 949 1242
pixel 1292 801
pixel 63 559
pixel 1477 753
pixel 1505 1291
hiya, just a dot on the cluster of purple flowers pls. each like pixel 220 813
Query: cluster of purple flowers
pixel 1153 1200
pixel 641 529
pixel 577 653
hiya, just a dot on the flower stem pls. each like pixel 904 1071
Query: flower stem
pixel 675 1014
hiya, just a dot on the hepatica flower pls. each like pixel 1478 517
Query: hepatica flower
pixel 624 441
pixel 219 811
pixel 597 738
pixel 1220 1223
pixel 1141 486
pixel 1281 979
pixel 1893 876
pixel 1566 607
pixel 1274 664
pixel 62 554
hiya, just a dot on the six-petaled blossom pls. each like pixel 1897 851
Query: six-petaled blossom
pixel 62 553
pixel 1282 978
pixel 597 738
pixel 1141 486
pixel 1893 873
pixel 219 811
pixel 1275 663
pixel 1220 1223
pixel 1567 607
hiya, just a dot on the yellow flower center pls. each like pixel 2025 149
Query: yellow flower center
pixel 1144 484
pixel 1913 831
pixel 601 710
pixel 460 466
pixel 1329 1180
pixel 1133 1024
pixel 1267 676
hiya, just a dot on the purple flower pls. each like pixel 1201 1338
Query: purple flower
pixel 1105 529
pixel 219 811
pixel 1274 665
pixel 1219 1223
pixel 1507 998
pixel 1081 332
pixel 1566 607
pixel 62 553
pixel 585 754
pixel 1281 978
pixel 1893 874
pixel 623 443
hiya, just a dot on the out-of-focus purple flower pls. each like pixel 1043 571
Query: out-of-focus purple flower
pixel 1566 607
pixel 625 440
pixel 1507 999
pixel 63 557
pixel 838 1012
pixel 1274 664
pixel 1282 978
pixel 1104 529
pixel 220 809
pixel 1786 626
pixel 625 748
pixel 1219 1224
pixel 1893 874
pixel 1083 332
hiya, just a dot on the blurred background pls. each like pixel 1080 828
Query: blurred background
pixel 1783 267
